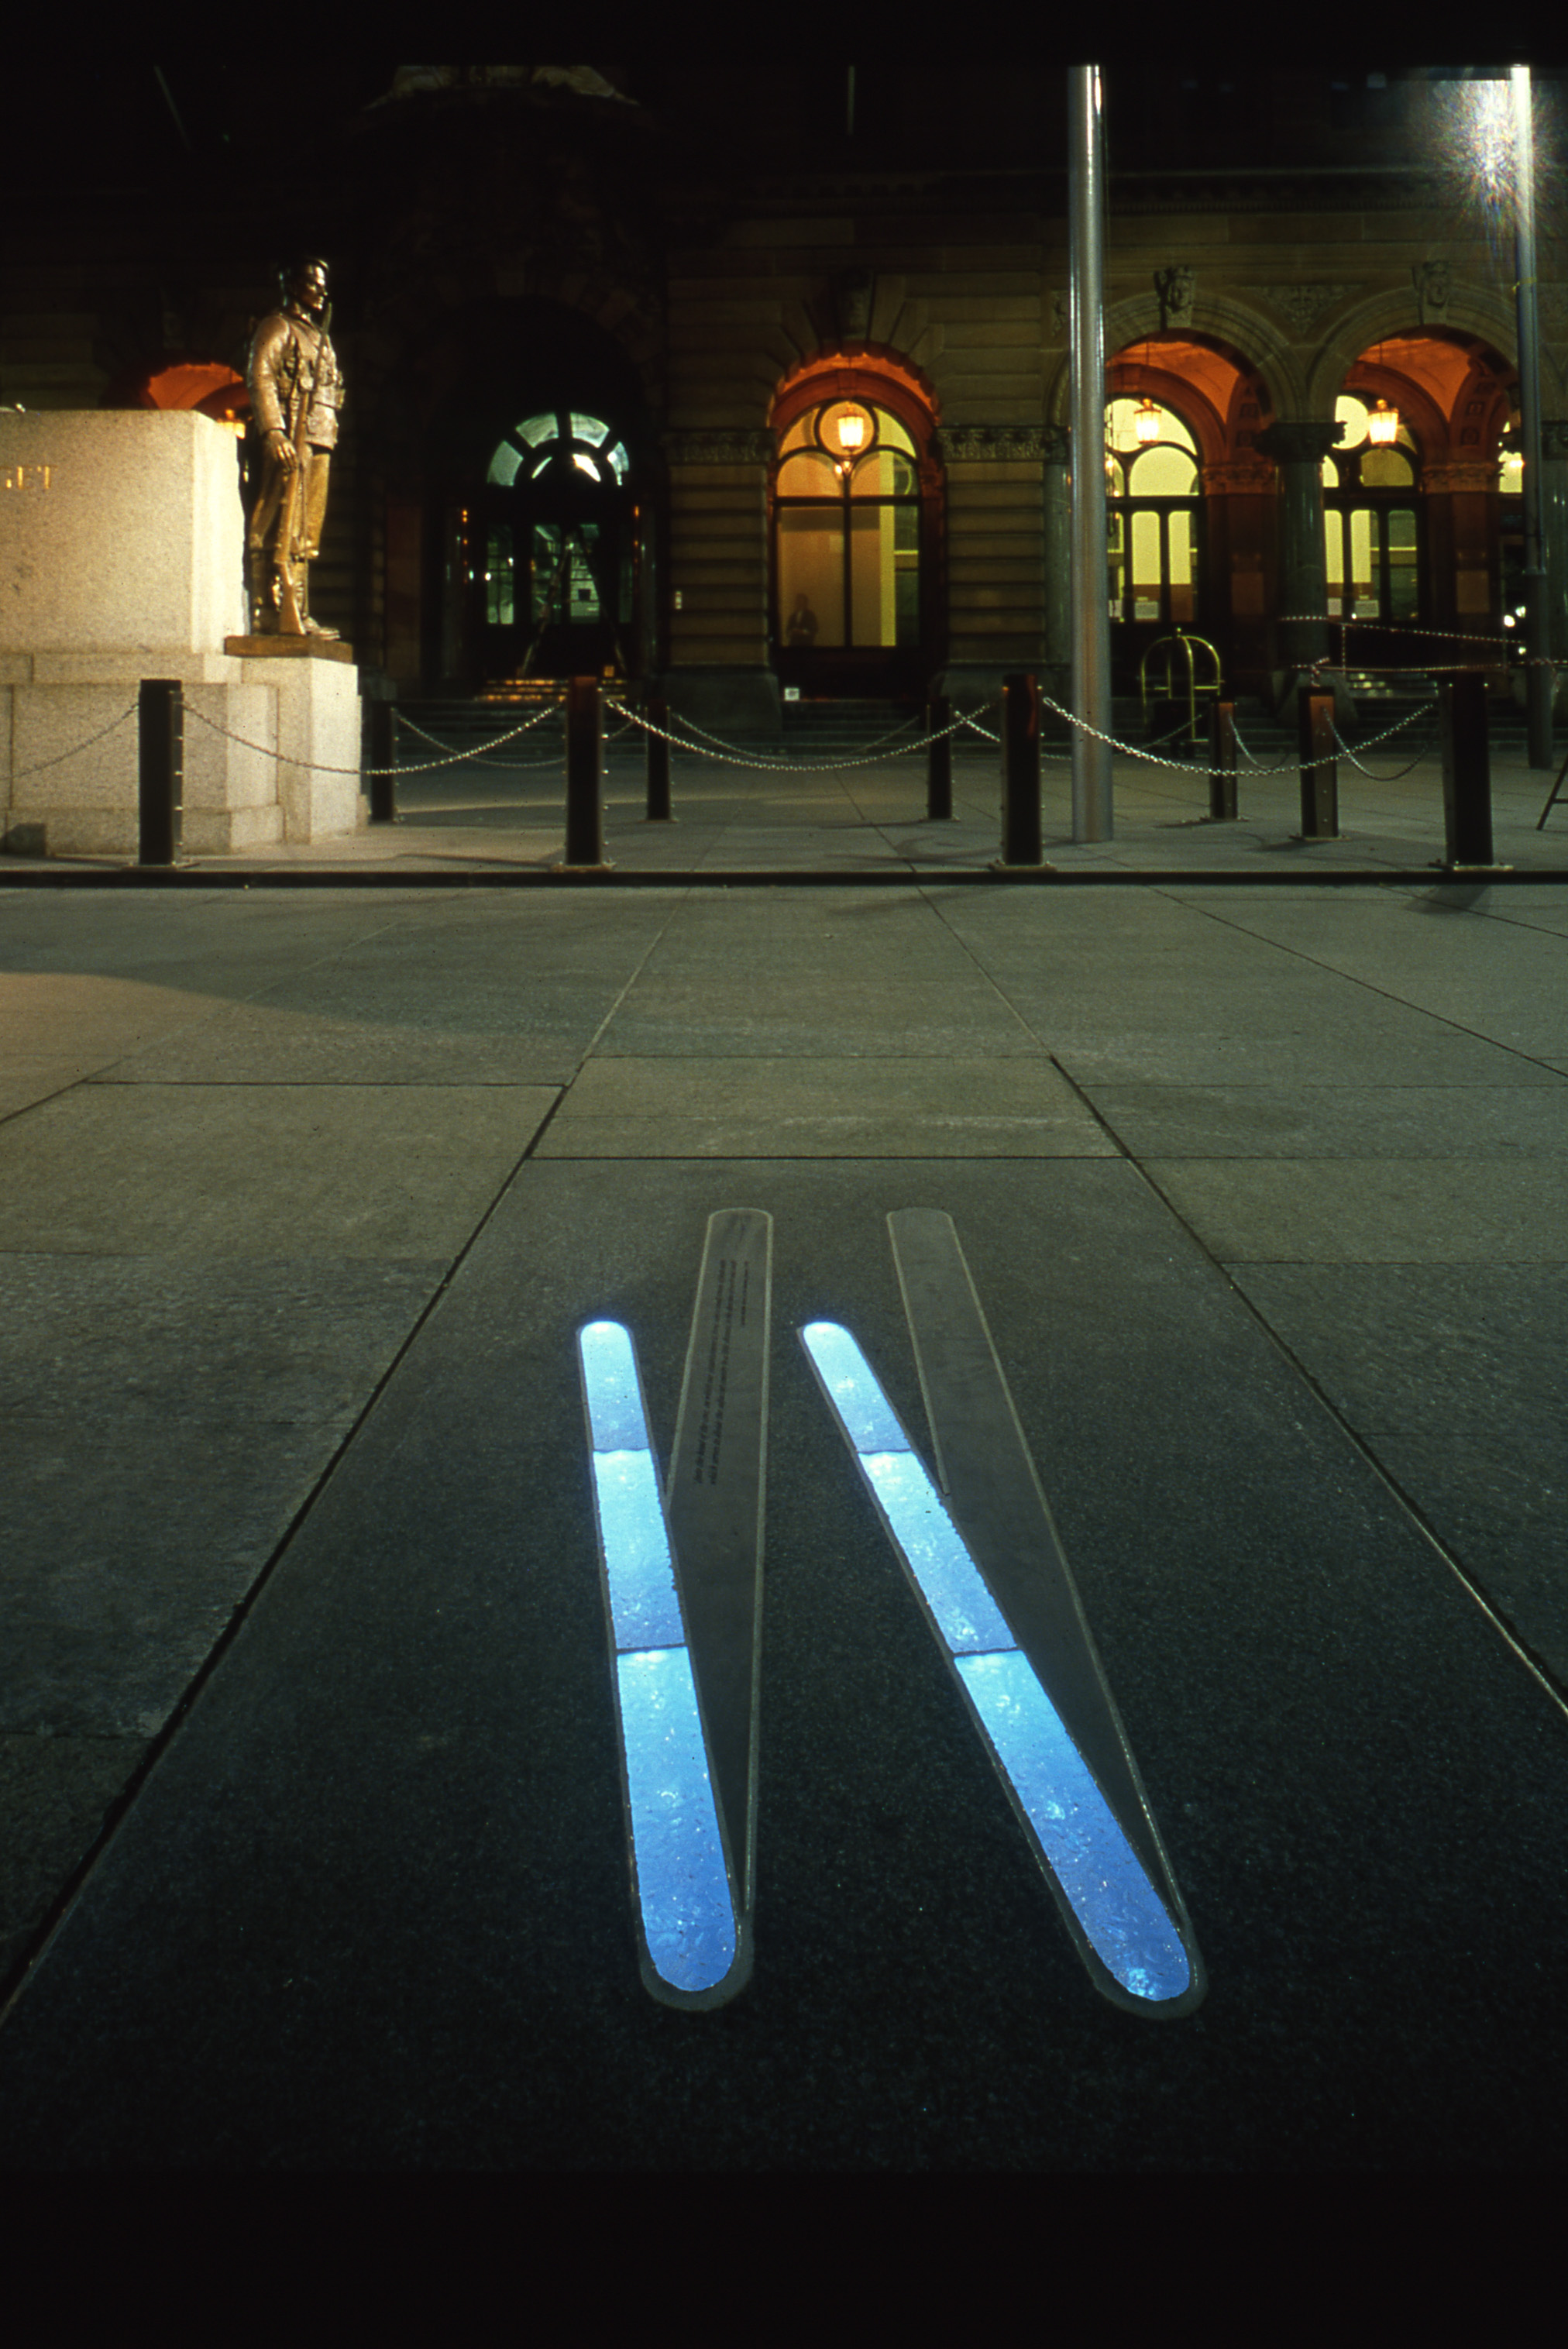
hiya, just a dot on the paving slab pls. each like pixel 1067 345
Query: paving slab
pixel 371 1906
pixel 341 1170
pixel 1369 1211
pixel 838 1107
pixel 1397 1120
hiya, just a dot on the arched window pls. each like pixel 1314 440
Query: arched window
pixel 847 531
pixel 558 445
pixel 1371 520
pixel 1152 535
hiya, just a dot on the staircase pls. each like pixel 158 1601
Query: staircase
pixel 819 732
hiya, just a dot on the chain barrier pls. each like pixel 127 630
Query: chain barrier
pixel 874 745
pixel 316 767
pixel 112 728
pixel 777 766
pixel 1424 753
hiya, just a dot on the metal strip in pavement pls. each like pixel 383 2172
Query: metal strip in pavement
pixel 994 1586
pixel 714 1504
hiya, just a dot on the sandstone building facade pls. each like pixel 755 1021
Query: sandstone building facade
pixel 747 382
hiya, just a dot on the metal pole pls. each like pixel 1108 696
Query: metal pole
pixel 381 742
pixel 1223 762
pixel 1020 770
pixel 1319 766
pixel 939 760
pixel 1538 676
pixel 1092 816
pixel 584 777
pixel 160 746
pixel 658 715
pixel 1467 772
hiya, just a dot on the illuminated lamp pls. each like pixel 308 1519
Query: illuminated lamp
pixel 851 431
pixel 1146 422
pixel 1383 426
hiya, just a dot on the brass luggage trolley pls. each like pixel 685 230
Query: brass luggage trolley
pixel 1182 646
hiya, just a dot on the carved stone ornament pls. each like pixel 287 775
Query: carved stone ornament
pixel 1177 288
pixel 963 443
pixel 852 292
pixel 709 445
pixel 1433 281
pixel 1242 476
pixel 1302 305
pixel 1301 442
pixel 1459 474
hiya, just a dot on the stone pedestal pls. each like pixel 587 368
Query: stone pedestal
pixel 121 558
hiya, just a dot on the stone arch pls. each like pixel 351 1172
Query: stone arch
pixel 1252 341
pixel 1393 312
pixel 873 369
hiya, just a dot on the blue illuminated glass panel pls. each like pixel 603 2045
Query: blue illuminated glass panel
pixel 1122 1917
pixel 1089 1857
pixel 683 1888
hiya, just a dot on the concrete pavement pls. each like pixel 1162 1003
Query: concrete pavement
pixel 315 1848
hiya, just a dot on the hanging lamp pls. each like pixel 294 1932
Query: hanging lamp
pixel 1147 420
pixel 1383 422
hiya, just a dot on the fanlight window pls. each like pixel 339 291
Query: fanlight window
pixel 1165 468
pixel 1357 461
pixel 560 444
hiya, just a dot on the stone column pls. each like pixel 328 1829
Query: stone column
pixel 719 674
pixel 1298 450
pixel 995 557
pixel 1554 532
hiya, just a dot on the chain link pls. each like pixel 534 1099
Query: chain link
pixel 1425 752
pixel 777 766
pixel 112 728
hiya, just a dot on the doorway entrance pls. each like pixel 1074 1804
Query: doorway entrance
pixel 554 581
pixel 855 535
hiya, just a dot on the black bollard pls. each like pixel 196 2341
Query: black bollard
pixel 160 722
pixel 1020 770
pixel 584 775
pixel 1467 770
pixel 1223 762
pixel 1319 766
pixel 381 758
pixel 658 714
pixel 938 760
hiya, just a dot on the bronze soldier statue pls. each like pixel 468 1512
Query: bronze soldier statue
pixel 295 394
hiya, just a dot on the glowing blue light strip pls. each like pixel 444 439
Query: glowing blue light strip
pixel 682 1886
pixel 1122 1916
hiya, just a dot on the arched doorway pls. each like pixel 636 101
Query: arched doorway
pixel 536 504
pixel 855 500
pixel 555 586
pixel 1417 524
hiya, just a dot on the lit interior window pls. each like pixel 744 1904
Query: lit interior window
pixel 1078 1834
pixel 682 1886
